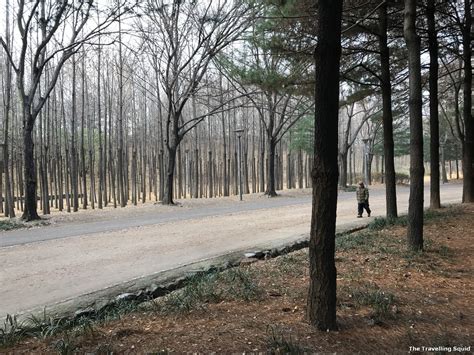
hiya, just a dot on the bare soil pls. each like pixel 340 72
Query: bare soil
pixel 389 300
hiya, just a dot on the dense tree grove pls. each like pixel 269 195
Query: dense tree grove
pixel 140 101
pixel 124 102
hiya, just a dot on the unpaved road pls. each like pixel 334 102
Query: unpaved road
pixel 43 266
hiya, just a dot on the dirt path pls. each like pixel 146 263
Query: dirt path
pixel 51 264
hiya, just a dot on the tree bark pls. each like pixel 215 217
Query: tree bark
pixel 9 204
pixel 387 116
pixel 171 149
pixel 435 201
pixel 322 288
pixel 29 213
pixel 83 122
pixel 415 206
pixel 271 189
pixel 468 151
pixel 343 166
pixel 74 168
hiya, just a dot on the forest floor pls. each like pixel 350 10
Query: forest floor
pixel 389 299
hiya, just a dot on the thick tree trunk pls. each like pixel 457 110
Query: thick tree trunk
pixel 322 288
pixel 435 201
pixel 30 212
pixel 415 207
pixel 170 163
pixel 387 116
pixel 468 151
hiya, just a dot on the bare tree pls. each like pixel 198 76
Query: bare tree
pixel 61 23
pixel 189 35
pixel 9 206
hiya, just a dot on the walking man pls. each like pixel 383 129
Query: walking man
pixel 362 194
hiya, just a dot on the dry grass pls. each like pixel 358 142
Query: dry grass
pixel 388 300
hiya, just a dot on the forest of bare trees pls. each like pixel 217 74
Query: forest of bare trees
pixel 126 102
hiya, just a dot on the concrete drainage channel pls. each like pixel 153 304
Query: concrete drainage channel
pixel 161 283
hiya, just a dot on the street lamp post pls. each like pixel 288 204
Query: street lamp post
pixel 239 135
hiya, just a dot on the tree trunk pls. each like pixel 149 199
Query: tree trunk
pixel 29 213
pixel 196 182
pixel 435 201
pixel 271 190
pixel 83 122
pixel 101 148
pixel 289 181
pixel 170 162
pixel 443 165
pixel 468 151
pixel 387 116
pixel 210 181
pixel 74 167
pixel 300 169
pixel 322 288
pixel 343 167
pixel 121 153
pixel 415 206
pixel 351 178
pixel 9 204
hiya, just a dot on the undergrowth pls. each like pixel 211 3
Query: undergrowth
pixel 380 302
pixel 200 290
pixel 7 225
pixel 364 240
pixel 278 343
pixel 380 223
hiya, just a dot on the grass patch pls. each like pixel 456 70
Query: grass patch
pixel 292 264
pixel 362 240
pixel 8 225
pixel 445 252
pixel 45 326
pixel 200 290
pixel 11 332
pixel 279 344
pixel 65 345
pixel 380 223
pixel 381 302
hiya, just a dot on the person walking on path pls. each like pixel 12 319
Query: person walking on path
pixel 362 195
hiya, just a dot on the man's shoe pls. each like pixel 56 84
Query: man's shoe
pixel 359 216
pixel 368 214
